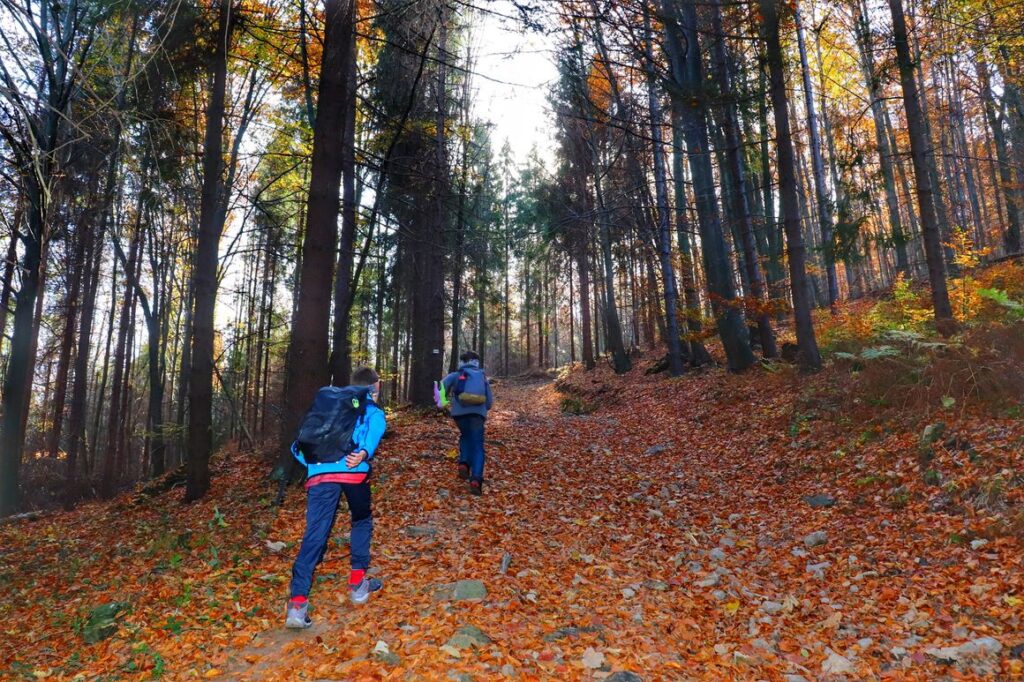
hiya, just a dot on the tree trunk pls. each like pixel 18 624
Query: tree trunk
pixel 919 145
pixel 809 356
pixel 344 287
pixel 684 56
pixel 200 428
pixel 668 275
pixel 737 194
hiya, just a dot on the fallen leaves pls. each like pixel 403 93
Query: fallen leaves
pixel 688 560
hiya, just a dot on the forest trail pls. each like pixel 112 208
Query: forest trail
pixel 639 541
pixel 672 533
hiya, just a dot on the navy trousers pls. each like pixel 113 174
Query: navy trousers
pixel 471 444
pixel 321 510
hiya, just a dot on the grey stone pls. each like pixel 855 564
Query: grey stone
pixel 624 676
pixel 656 585
pixel 462 590
pixel 711 581
pixel 102 621
pixel 836 665
pixel 468 637
pixel 719 595
pixel 506 561
pixel 820 501
pixel 978 544
pixel 717 554
pixel 657 449
pixel 509 670
pixel 816 538
pixel 421 531
pixel 771 607
pixel 571 631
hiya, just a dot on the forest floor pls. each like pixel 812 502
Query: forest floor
pixel 712 527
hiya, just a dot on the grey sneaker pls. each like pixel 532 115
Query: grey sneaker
pixel 298 616
pixel 360 594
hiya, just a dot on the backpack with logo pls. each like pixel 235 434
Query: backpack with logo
pixel 325 434
pixel 471 387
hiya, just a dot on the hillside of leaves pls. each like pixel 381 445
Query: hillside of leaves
pixel 864 522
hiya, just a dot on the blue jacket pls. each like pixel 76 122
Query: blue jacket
pixel 367 434
pixel 457 408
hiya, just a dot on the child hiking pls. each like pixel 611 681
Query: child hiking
pixel 471 398
pixel 337 439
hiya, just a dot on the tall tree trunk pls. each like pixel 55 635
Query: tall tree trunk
pixel 204 275
pixel 737 194
pixel 668 275
pixel 885 152
pixel 809 356
pixel 344 287
pixel 427 240
pixel 1013 194
pixel 919 145
pixel 825 219
pixel 683 51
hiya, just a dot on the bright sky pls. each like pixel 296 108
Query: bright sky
pixel 513 72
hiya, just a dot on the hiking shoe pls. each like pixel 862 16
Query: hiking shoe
pixel 463 471
pixel 360 594
pixel 298 615
pixel 476 486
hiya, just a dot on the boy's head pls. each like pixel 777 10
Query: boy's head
pixel 366 376
pixel 468 356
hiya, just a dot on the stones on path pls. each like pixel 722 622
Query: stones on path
pixel 592 658
pixel 461 590
pixel 717 554
pixel 383 653
pixel 815 539
pixel 465 638
pixel 570 631
pixel 835 664
pixel 102 621
pixel 623 676
pixel 506 561
pixel 820 501
pixel 421 531
pixel 975 650
pixel 711 581
pixel 771 607
pixel 657 449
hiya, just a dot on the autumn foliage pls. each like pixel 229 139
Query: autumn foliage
pixel 713 526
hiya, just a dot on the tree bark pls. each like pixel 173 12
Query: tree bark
pixel 809 356
pixel 204 275
pixel 919 146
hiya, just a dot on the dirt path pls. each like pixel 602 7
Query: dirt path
pixel 637 543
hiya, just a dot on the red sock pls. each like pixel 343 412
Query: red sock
pixel 299 599
pixel 356 576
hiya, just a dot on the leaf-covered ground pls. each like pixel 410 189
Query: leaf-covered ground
pixel 668 532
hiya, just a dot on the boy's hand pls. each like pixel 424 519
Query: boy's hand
pixel 355 458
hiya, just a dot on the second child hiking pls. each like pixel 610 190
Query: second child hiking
pixel 469 391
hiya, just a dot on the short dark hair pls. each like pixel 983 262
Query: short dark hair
pixel 365 376
pixel 469 355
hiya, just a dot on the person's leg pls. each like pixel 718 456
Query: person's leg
pixel 476 435
pixel 321 506
pixel 358 496
pixel 465 446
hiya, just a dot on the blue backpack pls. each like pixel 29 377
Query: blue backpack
pixel 471 387
pixel 325 434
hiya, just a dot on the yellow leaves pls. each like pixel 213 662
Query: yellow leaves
pixel 731 607
pixel 1013 601
pixel 211 673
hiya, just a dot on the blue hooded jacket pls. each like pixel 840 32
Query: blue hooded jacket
pixel 457 408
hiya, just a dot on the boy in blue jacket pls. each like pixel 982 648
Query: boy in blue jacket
pixel 326 483
pixel 471 399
